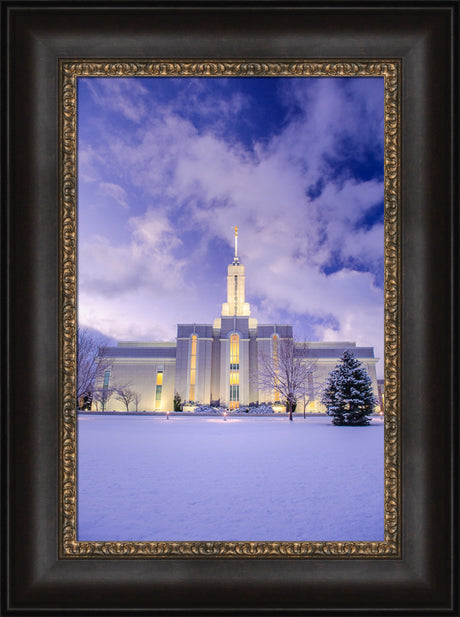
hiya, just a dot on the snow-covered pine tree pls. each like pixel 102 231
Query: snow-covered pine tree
pixel 348 395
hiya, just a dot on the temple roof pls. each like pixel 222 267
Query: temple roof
pixel 140 352
pixel 334 352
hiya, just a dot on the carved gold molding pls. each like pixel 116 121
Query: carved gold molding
pixel 69 72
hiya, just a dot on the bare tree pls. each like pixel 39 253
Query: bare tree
pixel 92 363
pixel 310 392
pixel 102 396
pixel 286 375
pixel 126 396
pixel 136 399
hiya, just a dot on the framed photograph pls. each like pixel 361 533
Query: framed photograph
pixel 262 487
pixel 223 251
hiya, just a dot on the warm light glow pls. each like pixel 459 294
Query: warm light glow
pixel 158 389
pixel 234 371
pixel 234 379
pixel 234 349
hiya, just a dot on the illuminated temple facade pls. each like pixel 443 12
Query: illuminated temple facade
pixel 215 364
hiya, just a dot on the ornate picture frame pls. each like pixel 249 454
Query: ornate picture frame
pixel 48 568
pixel 70 72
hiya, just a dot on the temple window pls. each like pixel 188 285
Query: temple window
pixel 193 368
pixel 234 371
pixel 275 344
pixel 158 389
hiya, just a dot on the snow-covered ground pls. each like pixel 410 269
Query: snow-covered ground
pixel 203 478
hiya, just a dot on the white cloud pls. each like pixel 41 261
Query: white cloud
pixel 116 192
pixel 216 184
pixel 126 96
pixel 121 286
pixel 146 260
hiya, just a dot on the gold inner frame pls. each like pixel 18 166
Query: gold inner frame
pixel 69 71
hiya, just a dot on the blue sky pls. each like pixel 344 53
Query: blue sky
pixel 167 167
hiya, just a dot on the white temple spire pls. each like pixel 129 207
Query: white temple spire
pixel 235 305
pixel 236 258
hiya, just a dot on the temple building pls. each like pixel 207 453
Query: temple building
pixel 215 364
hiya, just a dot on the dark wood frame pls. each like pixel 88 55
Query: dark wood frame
pixel 423 35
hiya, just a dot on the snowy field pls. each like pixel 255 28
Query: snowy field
pixel 203 478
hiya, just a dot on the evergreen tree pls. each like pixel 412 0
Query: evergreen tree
pixel 348 395
pixel 177 402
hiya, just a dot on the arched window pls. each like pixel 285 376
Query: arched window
pixel 191 395
pixel 234 371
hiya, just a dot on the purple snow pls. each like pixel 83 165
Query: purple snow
pixel 204 479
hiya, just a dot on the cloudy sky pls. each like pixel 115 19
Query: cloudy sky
pixel 167 167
